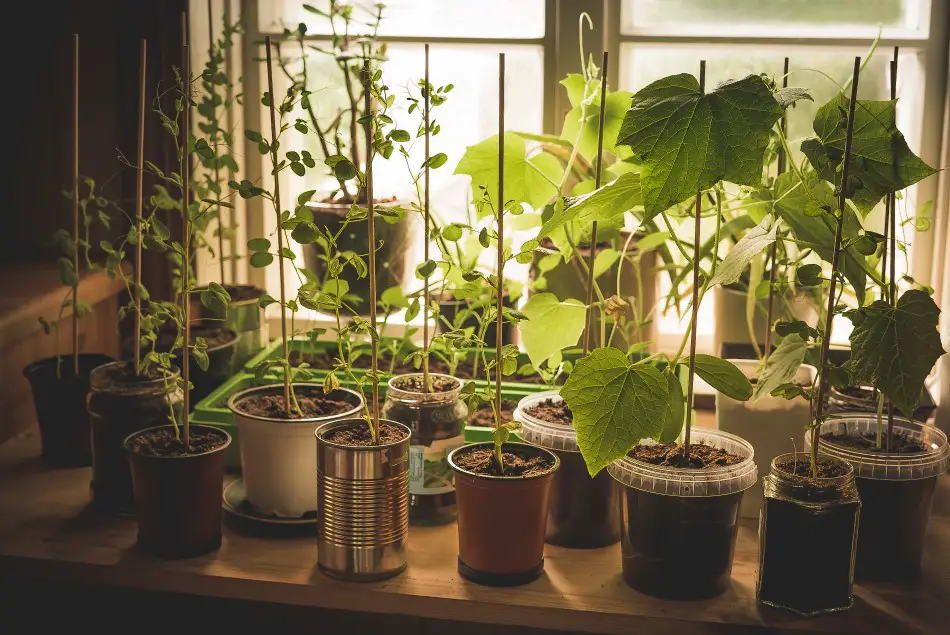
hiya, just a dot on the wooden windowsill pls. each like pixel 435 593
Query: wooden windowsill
pixel 48 532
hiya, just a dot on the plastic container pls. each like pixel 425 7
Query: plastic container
pixel 678 526
pixel 896 492
pixel 437 421
pixel 822 513
pixel 584 512
pixel 863 399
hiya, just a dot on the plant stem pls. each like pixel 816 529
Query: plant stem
pixel 214 146
pixel 818 410
pixel 288 402
pixel 75 316
pixel 593 229
pixel 140 168
pixel 371 239
pixel 499 306
pixel 892 292
pixel 186 227
pixel 425 208
pixel 773 252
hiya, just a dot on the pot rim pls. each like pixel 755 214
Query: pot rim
pixel 233 404
pixel 336 207
pixel 553 436
pixel 887 466
pixel 52 360
pixel 220 448
pixel 330 425
pixel 241 303
pixel 827 482
pixel 687 482
pixel 135 381
pixel 507 479
pixel 223 327
pixel 412 396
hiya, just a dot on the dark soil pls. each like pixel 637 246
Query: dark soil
pixel 552 411
pixel 858 392
pixel 272 406
pixel 243 292
pixel 518 463
pixel 801 466
pixel 125 374
pixel 701 456
pixel 214 335
pixel 360 436
pixel 485 416
pixel 414 383
pixel 900 443
pixel 162 442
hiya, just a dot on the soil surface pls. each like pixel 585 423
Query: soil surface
pixel 272 406
pixel 485 416
pixel 162 442
pixel 701 456
pixel 414 383
pixel 243 292
pixel 552 411
pixel 858 392
pixel 348 200
pixel 214 335
pixel 801 466
pixel 124 374
pixel 900 443
pixel 520 462
pixel 360 436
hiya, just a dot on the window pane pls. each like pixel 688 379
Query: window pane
pixel 775 17
pixel 419 18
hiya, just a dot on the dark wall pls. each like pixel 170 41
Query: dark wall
pixel 38 74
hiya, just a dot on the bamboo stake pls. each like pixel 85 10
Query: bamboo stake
pixel 229 99
pixel 214 145
pixel 371 233
pixel 891 205
pixel 186 222
pixel 829 318
pixel 695 313
pixel 280 231
pixel 593 229
pixel 499 305
pixel 140 164
pixel 75 316
pixel 773 252
pixel 425 210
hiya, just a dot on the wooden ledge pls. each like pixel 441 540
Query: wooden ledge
pixel 47 532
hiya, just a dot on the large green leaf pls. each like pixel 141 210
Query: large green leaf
pixel 685 140
pixel 551 326
pixel 881 161
pixel 895 348
pixel 793 198
pixel 782 366
pixel 749 246
pixel 605 204
pixel 616 108
pixel 615 405
pixel 675 411
pixel 723 376
pixel 523 183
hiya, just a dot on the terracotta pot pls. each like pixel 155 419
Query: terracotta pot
pixel 178 499
pixel 488 554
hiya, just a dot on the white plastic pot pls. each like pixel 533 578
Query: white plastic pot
pixel 278 456
pixel 732 327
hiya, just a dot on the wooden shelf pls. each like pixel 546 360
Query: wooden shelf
pixel 48 532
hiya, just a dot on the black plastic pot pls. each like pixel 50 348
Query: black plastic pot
pixel 119 404
pixel 678 526
pixel 244 316
pixel 222 364
pixel 818 514
pixel 390 255
pixel 60 402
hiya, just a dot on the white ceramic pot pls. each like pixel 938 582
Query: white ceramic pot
pixel 731 326
pixel 769 424
pixel 278 456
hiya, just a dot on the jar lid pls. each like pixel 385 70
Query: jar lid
pixel 886 466
pixel 554 436
pixel 688 482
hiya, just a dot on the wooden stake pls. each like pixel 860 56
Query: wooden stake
pixel 280 231
pixel 829 318
pixel 695 315
pixel 593 229
pixel 371 233
pixel 75 319
pixel 773 252
pixel 425 211
pixel 500 204
pixel 890 215
pixel 140 164
pixel 186 222
pixel 214 145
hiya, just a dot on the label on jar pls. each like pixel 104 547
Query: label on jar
pixel 429 471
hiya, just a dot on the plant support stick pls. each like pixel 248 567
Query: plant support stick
pixel 214 145
pixel 186 223
pixel 593 228
pixel 773 252
pixel 891 217
pixel 501 254
pixel 425 211
pixel 140 163
pixel 371 235
pixel 75 205
pixel 829 317
pixel 280 231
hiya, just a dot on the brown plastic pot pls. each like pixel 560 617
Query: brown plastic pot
pixel 502 558
pixel 178 499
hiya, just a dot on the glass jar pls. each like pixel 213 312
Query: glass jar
pixel 120 403
pixel 437 421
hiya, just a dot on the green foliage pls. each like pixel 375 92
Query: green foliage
pixel 783 365
pixel 607 203
pixel 752 243
pixel 585 113
pixel 552 325
pixel 723 376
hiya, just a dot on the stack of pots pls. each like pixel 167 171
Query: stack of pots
pixel 584 511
